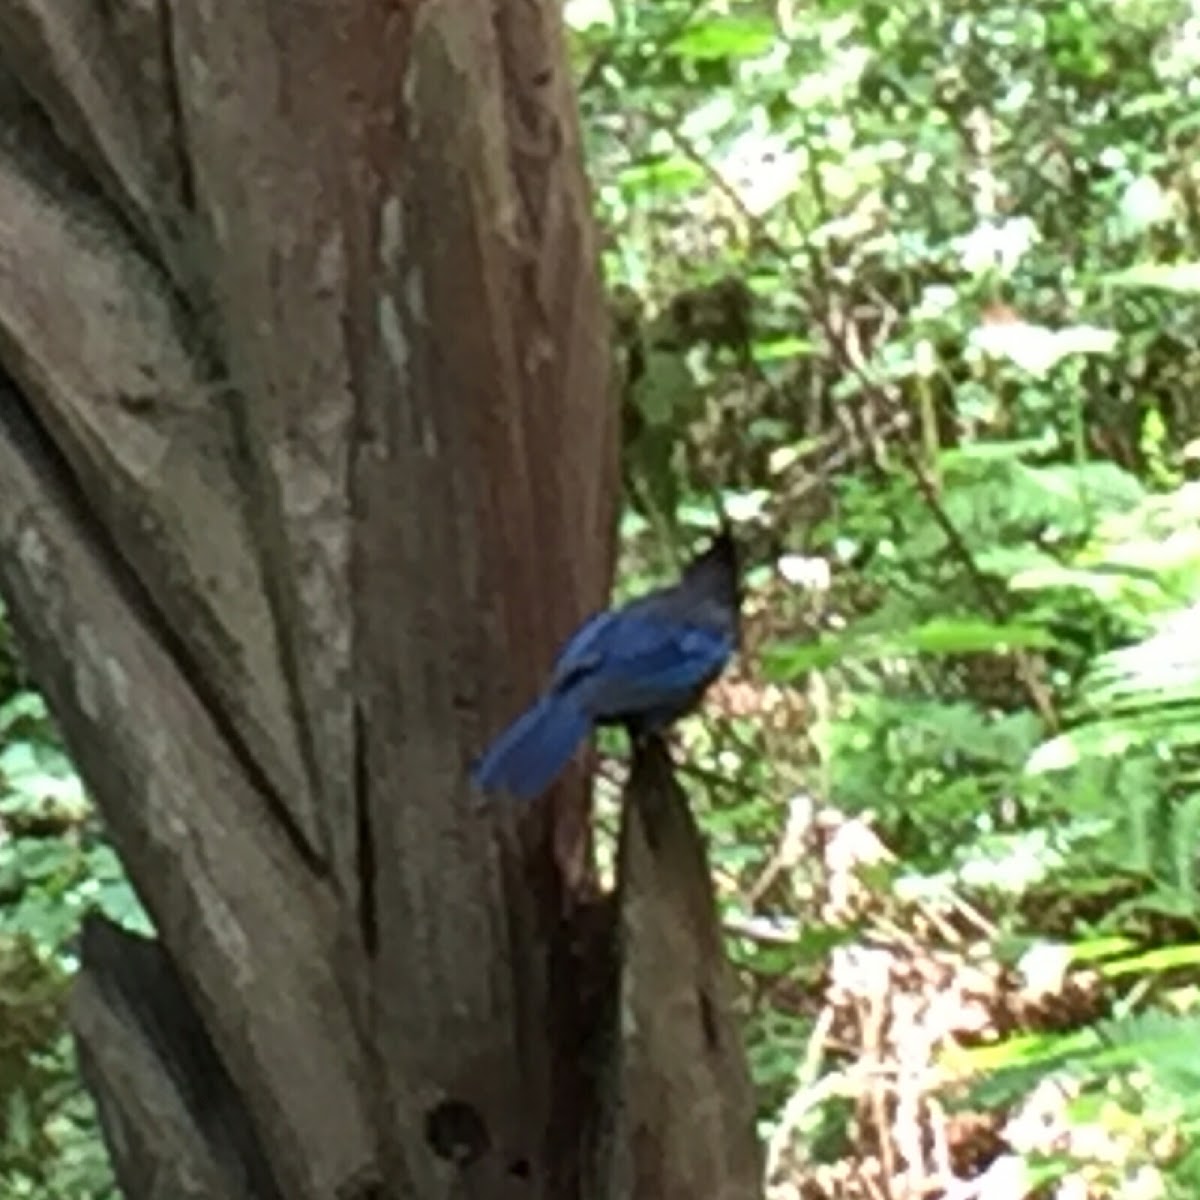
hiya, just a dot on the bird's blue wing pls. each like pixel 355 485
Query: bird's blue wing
pixel 584 652
pixel 638 663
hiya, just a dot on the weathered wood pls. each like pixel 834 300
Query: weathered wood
pixel 279 99
pixel 681 1103
pixel 104 75
pixel 487 416
pixel 95 340
pixel 174 1124
pixel 251 928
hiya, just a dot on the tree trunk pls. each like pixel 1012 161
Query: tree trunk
pixel 308 465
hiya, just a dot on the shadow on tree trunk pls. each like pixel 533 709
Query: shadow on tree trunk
pixel 173 1121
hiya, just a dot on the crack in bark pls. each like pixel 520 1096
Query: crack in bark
pixel 174 97
pixel 368 916
pixel 133 1007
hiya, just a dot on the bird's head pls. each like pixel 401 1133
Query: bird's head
pixel 717 571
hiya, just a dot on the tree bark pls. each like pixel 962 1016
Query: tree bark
pixel 308 465
pixel 166 1100
pixel 683 1106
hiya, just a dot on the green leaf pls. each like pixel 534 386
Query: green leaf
pixel 1094 949
pixel 1164 958
pixel 1023 1050
pixel 41 860
pixel 24 706
pixel 970 636
pixel 663 176
pixel 785 661
pixel 1116 738
pixel 782 348
pixel 726 37
pixel 1183 278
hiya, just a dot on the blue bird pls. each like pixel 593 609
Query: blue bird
pixel 643 666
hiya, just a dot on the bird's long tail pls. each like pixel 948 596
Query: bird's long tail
pixel 525 759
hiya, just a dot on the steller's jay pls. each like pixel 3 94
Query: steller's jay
pixel 643 666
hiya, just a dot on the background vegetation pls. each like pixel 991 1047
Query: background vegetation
pixel 914 287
